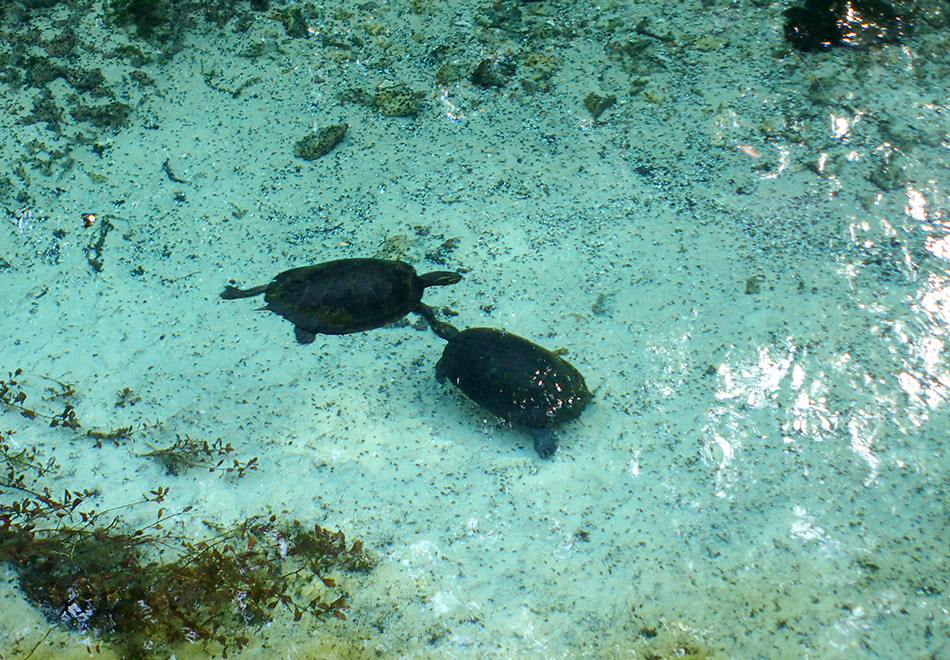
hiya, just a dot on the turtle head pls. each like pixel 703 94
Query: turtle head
pixel 439 278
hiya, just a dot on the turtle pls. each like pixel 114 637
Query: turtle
pixel 512 378
pixel 346 295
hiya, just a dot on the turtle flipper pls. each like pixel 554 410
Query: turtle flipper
pixel 303 336
pixel 232 292
pixel 545 441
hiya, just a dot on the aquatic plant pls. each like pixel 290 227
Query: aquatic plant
pixel 12 396
pixel 113 435
pixel 86 570
pixel 16 462
pixel 146 590
pixel 187 452
pixel 126 397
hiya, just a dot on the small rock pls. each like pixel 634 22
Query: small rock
pixel 890 170
pixel 294 23
pixel 449 73
pixel 753 285
pixel 710 42
pixel 396 102
pixel 319 144
pixel 597 104
pixel 537 71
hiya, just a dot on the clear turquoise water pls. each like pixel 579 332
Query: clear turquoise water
pixel 746 256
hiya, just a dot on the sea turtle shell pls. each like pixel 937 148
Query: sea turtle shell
pixel 514 379
pixel 346 295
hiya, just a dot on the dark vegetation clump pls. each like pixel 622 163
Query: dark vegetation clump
pixel 163 20
pixel 150 18
pixel 822 24
pixel 40 4
pixel 146 590
pixel 113 115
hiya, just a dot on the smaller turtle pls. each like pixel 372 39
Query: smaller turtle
pixel 346 295
pixel 513 378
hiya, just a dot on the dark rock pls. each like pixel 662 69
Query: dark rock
pixel 45 110
pixel 597 104
pixel 493 72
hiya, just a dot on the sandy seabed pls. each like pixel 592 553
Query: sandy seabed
pixel 746 255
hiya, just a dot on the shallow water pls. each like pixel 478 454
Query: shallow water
pixel 746 256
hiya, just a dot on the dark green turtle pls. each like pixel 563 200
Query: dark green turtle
pixel 347 295
pixel 512 378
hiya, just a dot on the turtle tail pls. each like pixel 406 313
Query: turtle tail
pixel 232 292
